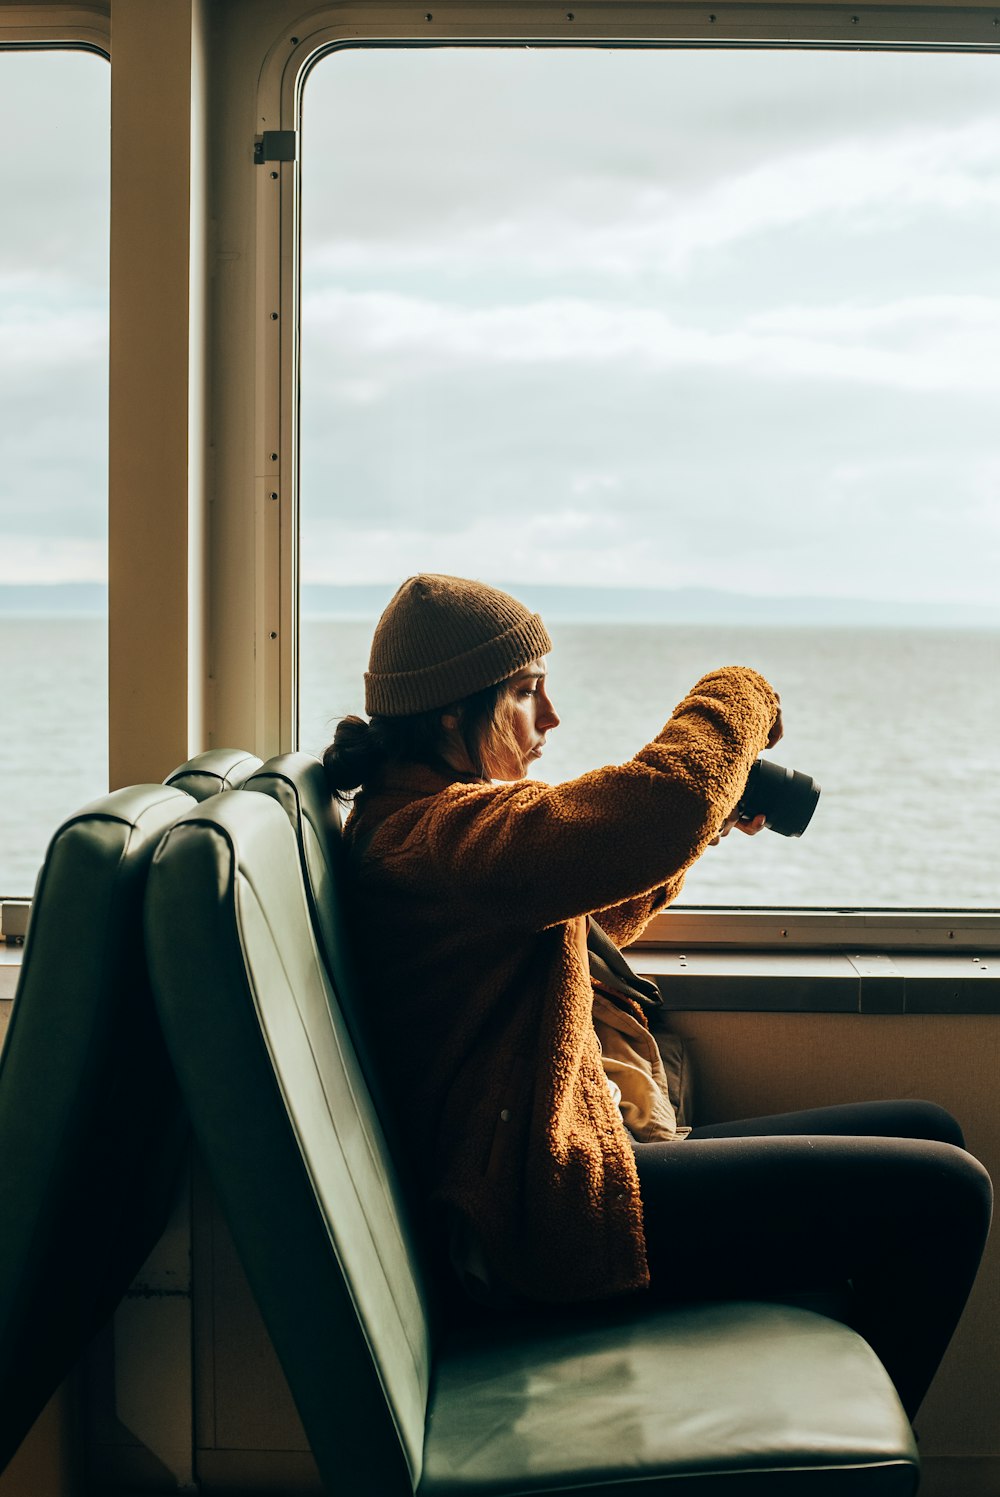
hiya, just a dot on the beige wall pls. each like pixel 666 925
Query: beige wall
pixel 49 1463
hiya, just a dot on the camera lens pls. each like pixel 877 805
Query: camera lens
pixel 786 797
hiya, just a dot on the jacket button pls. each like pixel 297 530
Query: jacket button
pixel 505 1116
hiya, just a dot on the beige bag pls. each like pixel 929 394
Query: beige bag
pixel 652 1075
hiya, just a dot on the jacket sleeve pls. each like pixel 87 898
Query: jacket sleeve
pixel 540 854
pixel 625 922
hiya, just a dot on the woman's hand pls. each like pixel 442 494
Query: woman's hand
pixel 754 824
pixel 734 819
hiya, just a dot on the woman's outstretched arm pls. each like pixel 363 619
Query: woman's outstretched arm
pixel 538 854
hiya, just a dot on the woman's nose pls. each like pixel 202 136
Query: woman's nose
pixel 548 717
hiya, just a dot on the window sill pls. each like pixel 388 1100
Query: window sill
pixel 813 930
pixel 823 981
pixel 808 982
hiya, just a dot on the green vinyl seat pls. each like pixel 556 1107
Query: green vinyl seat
pixel 92 1130
pixel 213 771
pixel 702 1399
pixel 298 783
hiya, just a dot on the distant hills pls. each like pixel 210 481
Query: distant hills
pixel 568 604
pixel 53 600
pixel 640 605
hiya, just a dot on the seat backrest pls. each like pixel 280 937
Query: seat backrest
pixel 295 1148
pixel 212 771
pixel 92 1129
pixel 297 782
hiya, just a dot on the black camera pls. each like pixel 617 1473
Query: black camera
pixel 785 796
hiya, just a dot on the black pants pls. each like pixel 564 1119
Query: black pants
pixel 880 1196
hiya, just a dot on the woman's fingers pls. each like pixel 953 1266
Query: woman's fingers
pixel 751 828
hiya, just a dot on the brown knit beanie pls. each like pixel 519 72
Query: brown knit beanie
pixel 442 638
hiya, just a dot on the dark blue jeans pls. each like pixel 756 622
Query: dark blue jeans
pixel 877 1197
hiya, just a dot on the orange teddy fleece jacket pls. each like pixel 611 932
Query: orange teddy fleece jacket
pixel 469 899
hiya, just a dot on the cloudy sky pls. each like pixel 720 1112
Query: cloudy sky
pixel 669 318
pixel 54 115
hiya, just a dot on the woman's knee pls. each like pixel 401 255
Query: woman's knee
pixel 920 1119
pixel 935 1190
pixel 971 1182
pixel 913 1119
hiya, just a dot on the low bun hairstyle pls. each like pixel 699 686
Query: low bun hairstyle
pixel 361 751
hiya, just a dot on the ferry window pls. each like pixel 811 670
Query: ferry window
pixel 54 120
pixel 698 352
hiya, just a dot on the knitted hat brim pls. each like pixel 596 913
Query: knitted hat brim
pixel 402 693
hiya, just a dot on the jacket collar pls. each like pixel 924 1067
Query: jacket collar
pixel 408 781
pixel 399 786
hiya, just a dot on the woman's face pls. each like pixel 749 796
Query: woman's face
pixel 531 716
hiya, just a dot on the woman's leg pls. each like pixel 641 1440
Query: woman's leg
pixel 907 1119
pixel 903 1220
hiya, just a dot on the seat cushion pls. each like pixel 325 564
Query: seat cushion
pixel 748 1397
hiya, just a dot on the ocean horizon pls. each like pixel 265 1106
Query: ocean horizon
pixel 568 603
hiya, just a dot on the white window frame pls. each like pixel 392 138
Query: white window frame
pixel 456 22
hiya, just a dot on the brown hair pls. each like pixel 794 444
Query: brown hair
pixel 361 750
pixel 486 723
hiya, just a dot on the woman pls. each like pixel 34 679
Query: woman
pixel 476 891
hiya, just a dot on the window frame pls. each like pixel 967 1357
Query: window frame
pixel 58 27
pixel 384 23
pixel 49 28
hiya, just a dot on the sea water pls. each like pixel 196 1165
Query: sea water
pixel 53 734
pixel 901 728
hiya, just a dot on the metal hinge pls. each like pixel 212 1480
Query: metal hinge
pixel 275 145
